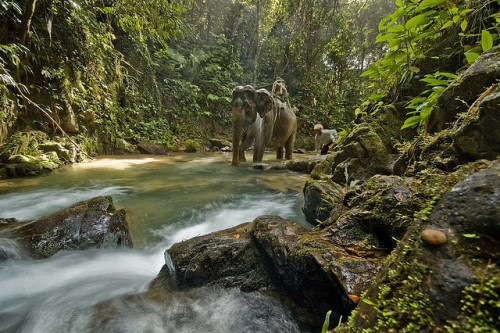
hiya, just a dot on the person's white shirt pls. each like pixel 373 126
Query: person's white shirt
pixel 327 136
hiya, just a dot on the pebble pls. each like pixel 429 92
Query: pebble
pixel 433 237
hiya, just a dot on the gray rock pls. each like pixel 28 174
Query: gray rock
pixel 468 216
pixel 124 147
pixel 219 143
pixel 464 91
pixel 272 255
pixel 64 154
pixel 304 166
pixel 480 137
pixel 315 207
pixel 148 147
pixel 94 223
pixel 366 151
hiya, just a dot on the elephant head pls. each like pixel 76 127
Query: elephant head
pixel 244 115
pixel 263 102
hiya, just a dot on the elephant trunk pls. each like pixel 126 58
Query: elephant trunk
pixel 238 123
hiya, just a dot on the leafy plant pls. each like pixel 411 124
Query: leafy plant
pixel 409 33
pixel 425 103
pixel 326 324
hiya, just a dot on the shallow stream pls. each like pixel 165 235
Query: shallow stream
pixel 167 199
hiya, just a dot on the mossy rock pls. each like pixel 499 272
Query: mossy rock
pixel 192 146
pixel 464 91
pixel 366 151
pixel 436 287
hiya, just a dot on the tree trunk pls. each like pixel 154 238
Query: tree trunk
pixel 257 44
pixel 26 22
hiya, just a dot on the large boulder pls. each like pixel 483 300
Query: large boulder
pixel 462 93
pixel 366 151
pixel 480 137
pixel 304 166
pixel 316 209
pixel 442 276
pixel 272 255
pixel 122 147
pixel 149 147
pixel 94 223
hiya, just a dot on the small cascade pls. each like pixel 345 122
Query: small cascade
pixel 169 263
pixel 10 249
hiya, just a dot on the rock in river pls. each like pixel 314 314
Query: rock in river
pixel 94 223
pixel 272 255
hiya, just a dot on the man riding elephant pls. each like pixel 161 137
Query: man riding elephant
pixel 261 119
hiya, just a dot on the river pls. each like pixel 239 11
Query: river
pixel 167 199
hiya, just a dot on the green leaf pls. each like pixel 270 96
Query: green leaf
pixel 326 324
pixel 411 122
pixel 395 28
pixel 470 235
pixel 447 24
pixel 435 82
pixel 450 75
pixel 212 97
pixel 414 21
pixel 486 40
pixel 463 25
pixel 430 3
pixel 367 301
pixel 471 57
pixel 371 70
pixel 382 22
pixel 382 37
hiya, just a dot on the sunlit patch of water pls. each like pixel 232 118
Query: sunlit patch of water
pixel 116 163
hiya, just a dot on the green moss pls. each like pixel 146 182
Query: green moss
pixel 480 305
pixel 192 145
pixel 401 303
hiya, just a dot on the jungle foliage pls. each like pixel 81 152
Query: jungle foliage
pixel 164 70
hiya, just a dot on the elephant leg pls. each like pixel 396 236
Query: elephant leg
pixel 279 153
pixel 289 144
pixel 241 155
pixel 246 141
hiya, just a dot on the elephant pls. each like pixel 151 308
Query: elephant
pixel 261 119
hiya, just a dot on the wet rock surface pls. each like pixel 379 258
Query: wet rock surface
pixel 315 207
pixel 272 255
pixel 94 223
pixel 34 153
pixel 366 151
pixel 304 166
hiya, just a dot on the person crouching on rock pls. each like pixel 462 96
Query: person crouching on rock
pixel 324 138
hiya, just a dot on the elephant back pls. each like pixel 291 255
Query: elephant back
pixel 285 123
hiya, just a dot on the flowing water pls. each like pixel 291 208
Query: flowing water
pixel 167 199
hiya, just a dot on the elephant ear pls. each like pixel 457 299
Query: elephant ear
pixel 237 91
pixel 264 102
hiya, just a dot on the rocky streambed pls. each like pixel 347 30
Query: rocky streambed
pixel 406 238
pixel 394 239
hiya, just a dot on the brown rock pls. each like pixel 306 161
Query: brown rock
pixel 433 237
